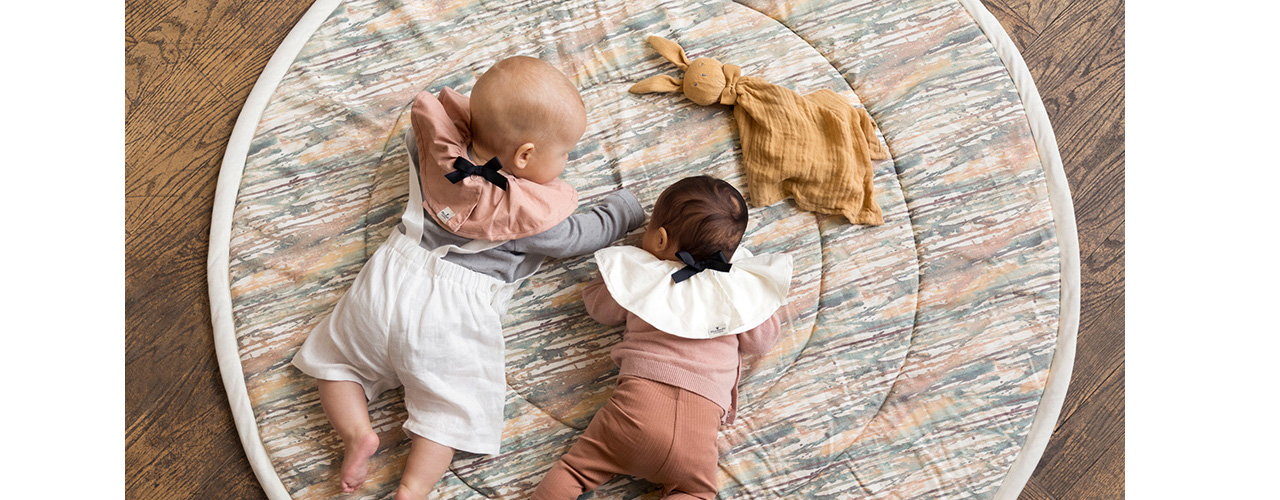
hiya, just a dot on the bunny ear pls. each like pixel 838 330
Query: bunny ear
pixel 670 50
pixel 660 83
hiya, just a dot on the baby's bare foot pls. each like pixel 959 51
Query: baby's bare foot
pixel 404 493
pixel 355 463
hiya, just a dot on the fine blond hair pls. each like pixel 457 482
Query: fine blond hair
pixel 524 100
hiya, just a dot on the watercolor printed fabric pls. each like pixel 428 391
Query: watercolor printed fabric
pixel 914 355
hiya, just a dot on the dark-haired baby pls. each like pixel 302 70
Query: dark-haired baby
pixel 693 301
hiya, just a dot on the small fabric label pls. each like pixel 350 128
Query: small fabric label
pixel 445 215
pixel 716 331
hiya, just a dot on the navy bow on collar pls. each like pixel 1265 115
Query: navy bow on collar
pixel 463 168
pixel 716 262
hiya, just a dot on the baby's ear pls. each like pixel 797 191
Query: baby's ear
pixel 670 50
pixel 660 83
pixel 522 155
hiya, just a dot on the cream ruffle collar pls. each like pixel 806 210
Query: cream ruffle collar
pixel 710 304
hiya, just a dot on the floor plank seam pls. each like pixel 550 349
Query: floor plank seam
pixel 1085 399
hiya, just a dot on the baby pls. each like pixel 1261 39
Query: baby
pixel 486 206
pixel 693 301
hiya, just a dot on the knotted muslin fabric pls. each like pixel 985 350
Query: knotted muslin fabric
pixel 707 304
pixel 816 148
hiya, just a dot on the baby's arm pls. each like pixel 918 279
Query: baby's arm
pixel 618 213
pixel 760 339
pixel 601 305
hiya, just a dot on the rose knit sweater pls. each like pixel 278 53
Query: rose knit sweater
pixel 706 367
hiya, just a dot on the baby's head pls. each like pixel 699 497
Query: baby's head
pixel 527 114
pixel 701 215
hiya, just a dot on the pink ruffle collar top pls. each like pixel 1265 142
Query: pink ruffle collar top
pixel 475 207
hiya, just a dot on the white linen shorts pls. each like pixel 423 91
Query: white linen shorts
pixel 413 319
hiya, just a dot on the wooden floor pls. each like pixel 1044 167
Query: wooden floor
pixel 190 66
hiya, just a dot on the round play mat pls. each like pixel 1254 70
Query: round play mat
pixel 924 358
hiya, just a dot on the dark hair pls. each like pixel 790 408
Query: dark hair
pixel 702 215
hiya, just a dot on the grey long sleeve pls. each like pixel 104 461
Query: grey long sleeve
pixel 580 234
pixel 617 213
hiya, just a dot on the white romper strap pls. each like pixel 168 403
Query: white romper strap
pixel 413 218
pixel 473 246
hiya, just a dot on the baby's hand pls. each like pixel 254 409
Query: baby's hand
pixel 635 210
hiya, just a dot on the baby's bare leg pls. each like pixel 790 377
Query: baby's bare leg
pixel 427 462
pixel 345 405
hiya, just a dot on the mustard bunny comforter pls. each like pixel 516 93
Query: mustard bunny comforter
pixel 815 148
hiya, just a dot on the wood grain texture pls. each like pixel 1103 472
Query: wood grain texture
pixel 190 66
pixel 1033 491
pixel 1075 52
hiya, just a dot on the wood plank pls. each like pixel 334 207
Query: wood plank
pixel 158 70
pixel 234 85
pixel 1077 62
pixel 1013 22
pixel 1074 54
pixel 1100 341
pixel 159 50
pixel 179 160
pixel 180 438
pixel 211 23
pixel 141 16
pixel 1037 14
pixel 1033 491
pixel 1082 87
pixel 1084 437
pixel 245 50
pixel 1105 479
pixel 180 447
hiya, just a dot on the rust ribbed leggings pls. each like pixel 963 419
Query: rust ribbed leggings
pixel 647 429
